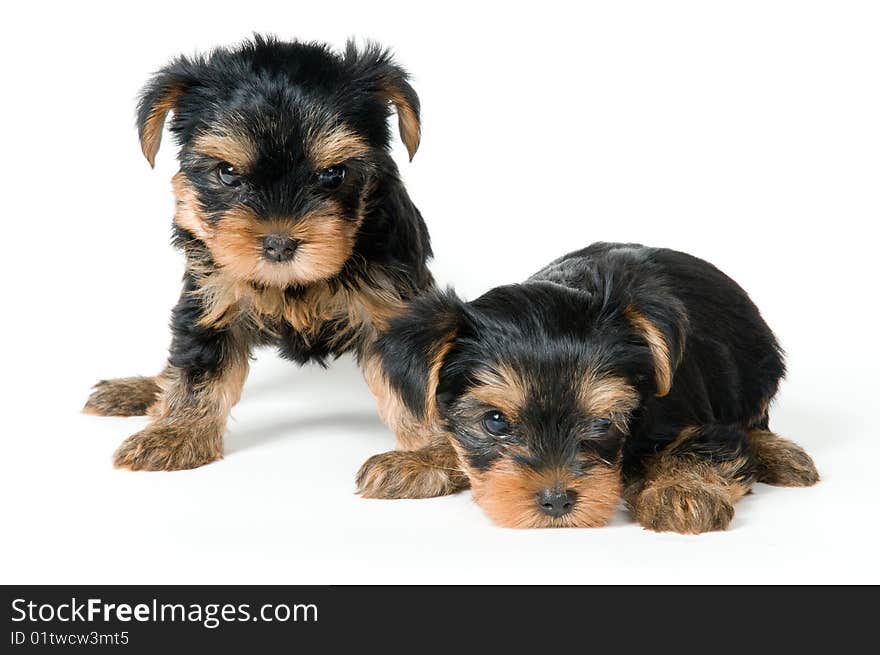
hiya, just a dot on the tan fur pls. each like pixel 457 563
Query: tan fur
pixel 781 462
pixel 423 473
pixel 412 433
pixel 506 390
pixel 681 492
pixel 425 465
pixel 151 135
pixel 507 492
pixel 502 388
pixel 326 241
pixel 189 213
pixel 659 349
pixel 232 148
pixel 608 397
pixel 407 120
pixel 359 307
pixel 190 421
pixel 361 310
pixel 123 397
pixel 335 146
pixel 686 495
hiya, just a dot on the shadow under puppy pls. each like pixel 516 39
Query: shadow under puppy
pixel 616 371
pixel 296 228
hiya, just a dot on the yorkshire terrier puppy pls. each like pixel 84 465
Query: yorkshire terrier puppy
pixel 618 371
pixel 295 225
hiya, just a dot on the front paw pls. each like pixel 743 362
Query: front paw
pixel 407 474
pixel 690 509
pixel 168 448
pixel 781 462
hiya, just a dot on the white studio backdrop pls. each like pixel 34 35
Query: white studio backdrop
pixel 745 133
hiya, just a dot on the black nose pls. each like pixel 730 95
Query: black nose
pixel 556 502
pixel 279 248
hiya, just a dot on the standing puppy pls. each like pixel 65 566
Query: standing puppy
pixel 296 228
pixel 617 371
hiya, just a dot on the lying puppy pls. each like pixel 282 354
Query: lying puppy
pixel 296 228
pixel 616 371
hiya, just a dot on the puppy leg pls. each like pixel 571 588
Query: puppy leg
pixel 411 432
pixel 423 473
pixel 124 396
pixel 693 484
pixel 189 426
pixel 781 462
pixel 425 464
pixel 207 368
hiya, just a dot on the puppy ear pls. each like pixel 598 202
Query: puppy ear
pixel 161 95
pixel 664 329
pixel 376 72
pixel 413 348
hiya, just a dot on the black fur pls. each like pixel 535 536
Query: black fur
pixel 195 349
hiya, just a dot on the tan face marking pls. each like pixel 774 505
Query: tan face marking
pixel 235 149
pixel 326 240
pixel 502 388
pixel 608 397
pixel 507 492
pixel 336 145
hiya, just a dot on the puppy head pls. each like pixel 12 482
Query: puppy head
pixel 281 147
pixel 537 386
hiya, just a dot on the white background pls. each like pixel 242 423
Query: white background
pixel 747 133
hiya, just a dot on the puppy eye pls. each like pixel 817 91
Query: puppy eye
pixel 227 175
pixel 331 178
pixel 495 423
